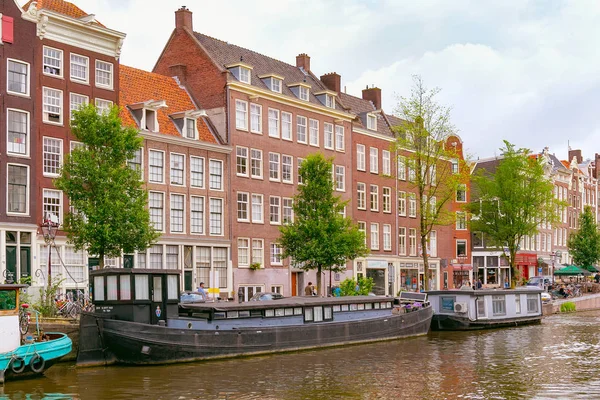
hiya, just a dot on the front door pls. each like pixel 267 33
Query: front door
pixel 158 300
pixel 378 276
pixel 294 284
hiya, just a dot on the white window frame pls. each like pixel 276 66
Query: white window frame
pixel 275 210
pixel 329 101
pixel 461 221
pixel 412 242
pixel 85 80
pixel 60 204
pixel 402 241
pixel 374 197
pixel 221 187
pixel 402 168
pixel 402 203
pixel 258 219
pixel 111 74
pixel 260 167
pixel 287 203
pixel 313 132
pixel 362 227
pixel 27 80
pixel 83 97
pixel 258 251
pixel 274 167
pixel 461 188
pixel 361 198
pixel 150 166
pixel 386 205
pixel 371 122
pixel 373 160
pixel 374 231
pixel 202 230
pixel 171 209
pixel 253 114
pixel 275 254
pixel 385 161
pixel 216 200
pixel 412 205
pixel 186 124
pixel 328 136
pixel 103 108
pixel 245 76
pixel 274 125
pixel 27 133
pixel 61 60
pixel 340 178
pixel 303 93
pixel 27 190
pixel 238 157
pixel 171 159
pixel 288 123
pixel 59 154
pixel 360 157
pixel 241 115
pixel 340 138
pixel 301 127
pixel 243 249
pixel 60 106
pixel 243 202
pixel 387 237
pixel 276 84
pixel 289 164
pixel 433 244
pixel 162 208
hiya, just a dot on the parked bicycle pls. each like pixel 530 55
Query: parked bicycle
pixel 24 318
pixel 70 307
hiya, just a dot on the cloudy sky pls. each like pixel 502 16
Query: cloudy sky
pixel 524 71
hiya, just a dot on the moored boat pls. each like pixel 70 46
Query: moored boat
pixel 19 358
pixel 485 309
pixel 138 321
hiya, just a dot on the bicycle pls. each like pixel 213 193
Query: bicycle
pixel 24 318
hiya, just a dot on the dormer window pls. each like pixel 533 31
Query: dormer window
pixel 190 128
pixel 244 75
pixel 329 101
pixel 371 122
pixel 146 114
pixel 326 97
pixel 186 122
pixel 150 120
pixel 241 71
pixel 276 85
pixel 303 94
pixel 272 81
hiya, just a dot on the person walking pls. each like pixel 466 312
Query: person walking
pixel 240 295
pixel 308 290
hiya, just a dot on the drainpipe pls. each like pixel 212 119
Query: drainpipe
pixel 229 158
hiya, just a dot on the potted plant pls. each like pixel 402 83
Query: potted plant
pixel 254 266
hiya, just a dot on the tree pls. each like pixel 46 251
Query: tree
pixel 422 144
pixel 513 201
pixel 320 237
pixel 108 214
pixel 584 245
pixel 348 286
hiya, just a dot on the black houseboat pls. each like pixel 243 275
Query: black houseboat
pixel 138 320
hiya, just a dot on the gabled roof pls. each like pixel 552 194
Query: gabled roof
pixel 60 7
pixel 137 86
pixel 361 108
pixel 223 53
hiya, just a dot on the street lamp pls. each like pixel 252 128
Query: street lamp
pixel 461 260
pixel 49 228
pixel 555 254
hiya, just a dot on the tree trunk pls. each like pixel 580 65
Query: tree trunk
pixel 319 279
pixel 425 262
pixel 101 260
pixel 513 269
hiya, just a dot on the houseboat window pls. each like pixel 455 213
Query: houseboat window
pixel 308 314
pixel 447 304
pixel 353 307
pixel 344 307
pixel 518 304
pixel 297 310
pixel 111 287
pixel 99 288
pixel 232 314
pixel 388 304
pixel 157 290
pixel 201 314
pixel 499 305
pixel 279 312
pixel 336 308
pixel 141 287
pixel 125 281
pixel 532 303
pixel 244 314
pixel 481 307
pixel 318 316
pixel 219 315
pixel 269 313
pixel 8 299
pixel 289 311
pixel 327 313
pixel 377 306
pixel 172 287
pixel 361 306
pixel 383 305
pixel 256 313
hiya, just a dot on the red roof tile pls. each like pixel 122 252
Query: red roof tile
pixel 59 6
pixel 137 86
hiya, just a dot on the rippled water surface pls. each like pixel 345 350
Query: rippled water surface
pixel 557 359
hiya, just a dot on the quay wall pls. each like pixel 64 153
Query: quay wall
pixel 63 325
pixel 584 303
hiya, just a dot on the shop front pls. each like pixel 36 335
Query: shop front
pixel 412 276
pixel 526 264
pixel 492 269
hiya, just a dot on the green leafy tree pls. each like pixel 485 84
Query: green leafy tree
pixel 513 201
pixel 348 286
pixel 584 245
pixel 320 237
pixel 109 215
pixel 423 145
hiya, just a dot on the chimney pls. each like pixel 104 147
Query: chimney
pixel 332 81
pixel 183 19
pixel 373 94
pixel 303 60
pixel 179 71
pixel 577 154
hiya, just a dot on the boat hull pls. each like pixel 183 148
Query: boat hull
pixel 456 323
pixel 136 343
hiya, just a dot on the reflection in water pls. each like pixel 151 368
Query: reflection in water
pixel 556 359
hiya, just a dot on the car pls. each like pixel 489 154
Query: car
pixel 192 297
pixel 266 296
pixel 546 297
pixel 539 281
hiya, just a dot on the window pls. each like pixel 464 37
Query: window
pixel 18 132
pixel 461 220
pixel 77 101
pixel 257 251
pixel 299 166
pixel 461 248
pixel 135 163
pixel 103 108
pixel 53 60
pixel 241 115
pixel 287 167
pixel 374 160
pixel 532 303
pixel 255 118
pixel 172 261
pixel 176 217
pixel 339 138
pixel 242 206
pixel 361 199
pixel 385 155
pixel 340 178
pixel 190 128
pixel 433 243
pixel 518 303
pixel 412 205
pixel 387 237
pixel 18 77
pixel 433 175
pixel 461 193
pixel 197 172
pixel 454 166
pixel 313 132
pixel 257 208
pixel 256 170
pixel 286 126
pixel 274 166
pixel 362 227
pixel 360 157
pixel 17 191
pixel 155 204
pixel 328 136
pixel 402 241
pixel 243 251
pixel 402 168
pixel 244 75
pixel 374 236
pixel 411 172
pixel 371 122
pixel 216 216
pixel 387 200
pixel 275 254
pixel 374 198
pixel 52 105
pixel 52 203
pixel 156 256
pixel 402 203
pixel 412 242
pixel 276 85
pixel 273 123
pixel 216 175
pixel 241 161
pixel 177 167
pixel 197 214
pixel 301 129
pixel 52 156
pixel 104 74
pixel 275 210
pixel 288 211
pixel 303 93
pixel 499 305
pixel 156 166
pixel 79 68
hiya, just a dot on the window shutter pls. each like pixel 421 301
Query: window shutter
pixel 7 29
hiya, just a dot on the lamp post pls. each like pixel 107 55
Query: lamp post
pixel 461 260
pixel 49 228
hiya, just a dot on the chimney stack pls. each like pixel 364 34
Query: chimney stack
pixel 374 95
pixel 332 81
pixel 183 19
pixel 577 155
pixel 303 60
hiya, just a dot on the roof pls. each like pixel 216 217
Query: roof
pixel 137 86
pixel 60 7
pixel 361 107
pixel 223 53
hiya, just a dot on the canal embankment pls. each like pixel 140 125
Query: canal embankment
pixel 69 326
pixel 587 302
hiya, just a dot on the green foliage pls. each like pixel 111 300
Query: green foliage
pixel 348 286
pixel 111 217
pixel 255 266
pixel 25 280
pixel 46 305
pixel 568 306
pixel 320 237
pixel 584 245
pixel 513 201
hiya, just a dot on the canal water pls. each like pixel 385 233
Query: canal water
pixel 557 359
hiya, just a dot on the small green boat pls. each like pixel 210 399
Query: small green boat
pixel 22 359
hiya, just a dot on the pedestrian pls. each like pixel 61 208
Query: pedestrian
pixel 241 295
pixel 357 288
pixel 308 290
pixel 597 277
pixel 479 283
pixel 201 290
pixel 337 292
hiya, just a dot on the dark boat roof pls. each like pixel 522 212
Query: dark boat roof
pixel 480 292
pixel 126 271
pixel 285 302
pixel 12 286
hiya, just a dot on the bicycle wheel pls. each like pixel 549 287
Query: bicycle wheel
pixel 23 323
